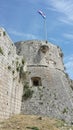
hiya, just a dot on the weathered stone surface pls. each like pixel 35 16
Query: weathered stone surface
pixel 10 87
pixel 53 96
pixel 40 86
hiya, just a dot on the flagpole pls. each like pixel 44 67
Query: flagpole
pixel 45 29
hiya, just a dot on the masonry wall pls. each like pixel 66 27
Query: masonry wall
pixel 53 58
pixel 53 96
pixel 10 86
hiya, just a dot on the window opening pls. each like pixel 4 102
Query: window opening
pixel 44 48
pixel 36 81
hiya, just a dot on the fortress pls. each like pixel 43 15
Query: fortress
pixel 33 80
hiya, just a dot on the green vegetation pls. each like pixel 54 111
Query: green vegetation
pixel 26 86
pixel 18 68
pixel 67 76
pixel 41 95
pixel 23 61
pixel 17 63
pixel 27 92
pixel 1 51
pixel 33 128
pixel 59 123
pixel 9 67
pixel 13 72
pixel 65 110
pixel 23 74
pixel 61 54
pixel 33 122
pixel 4 33
pixel 41 103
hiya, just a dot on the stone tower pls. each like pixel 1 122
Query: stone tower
pixel 52 94
pixel 33 80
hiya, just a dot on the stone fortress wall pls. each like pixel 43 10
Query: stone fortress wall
pixel 45 87
pixel 52 95
pixel 10 87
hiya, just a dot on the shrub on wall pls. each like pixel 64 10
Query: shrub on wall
pixel 27 92
pixel 13 72
pixel 61 54
pixel 1 51
pixel 9 67
pixel 23 61
pixel 65 110
pixel 18 68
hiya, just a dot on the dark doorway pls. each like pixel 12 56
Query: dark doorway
pixel 36 81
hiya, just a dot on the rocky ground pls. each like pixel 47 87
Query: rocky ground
pixel 31 122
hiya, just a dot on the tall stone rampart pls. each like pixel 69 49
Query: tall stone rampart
pixel 10 87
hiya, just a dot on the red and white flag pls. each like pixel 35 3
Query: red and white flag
pixel 42 14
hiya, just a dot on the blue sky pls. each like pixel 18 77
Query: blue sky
pixel 22 22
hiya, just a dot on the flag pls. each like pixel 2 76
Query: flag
pixel 42 14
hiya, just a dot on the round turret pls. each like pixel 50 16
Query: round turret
pixel 46 90
pixel 40 53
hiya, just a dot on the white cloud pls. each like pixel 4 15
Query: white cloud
pixel 21 34
pixel 65 8
pixel 69 65
pixel 68 36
